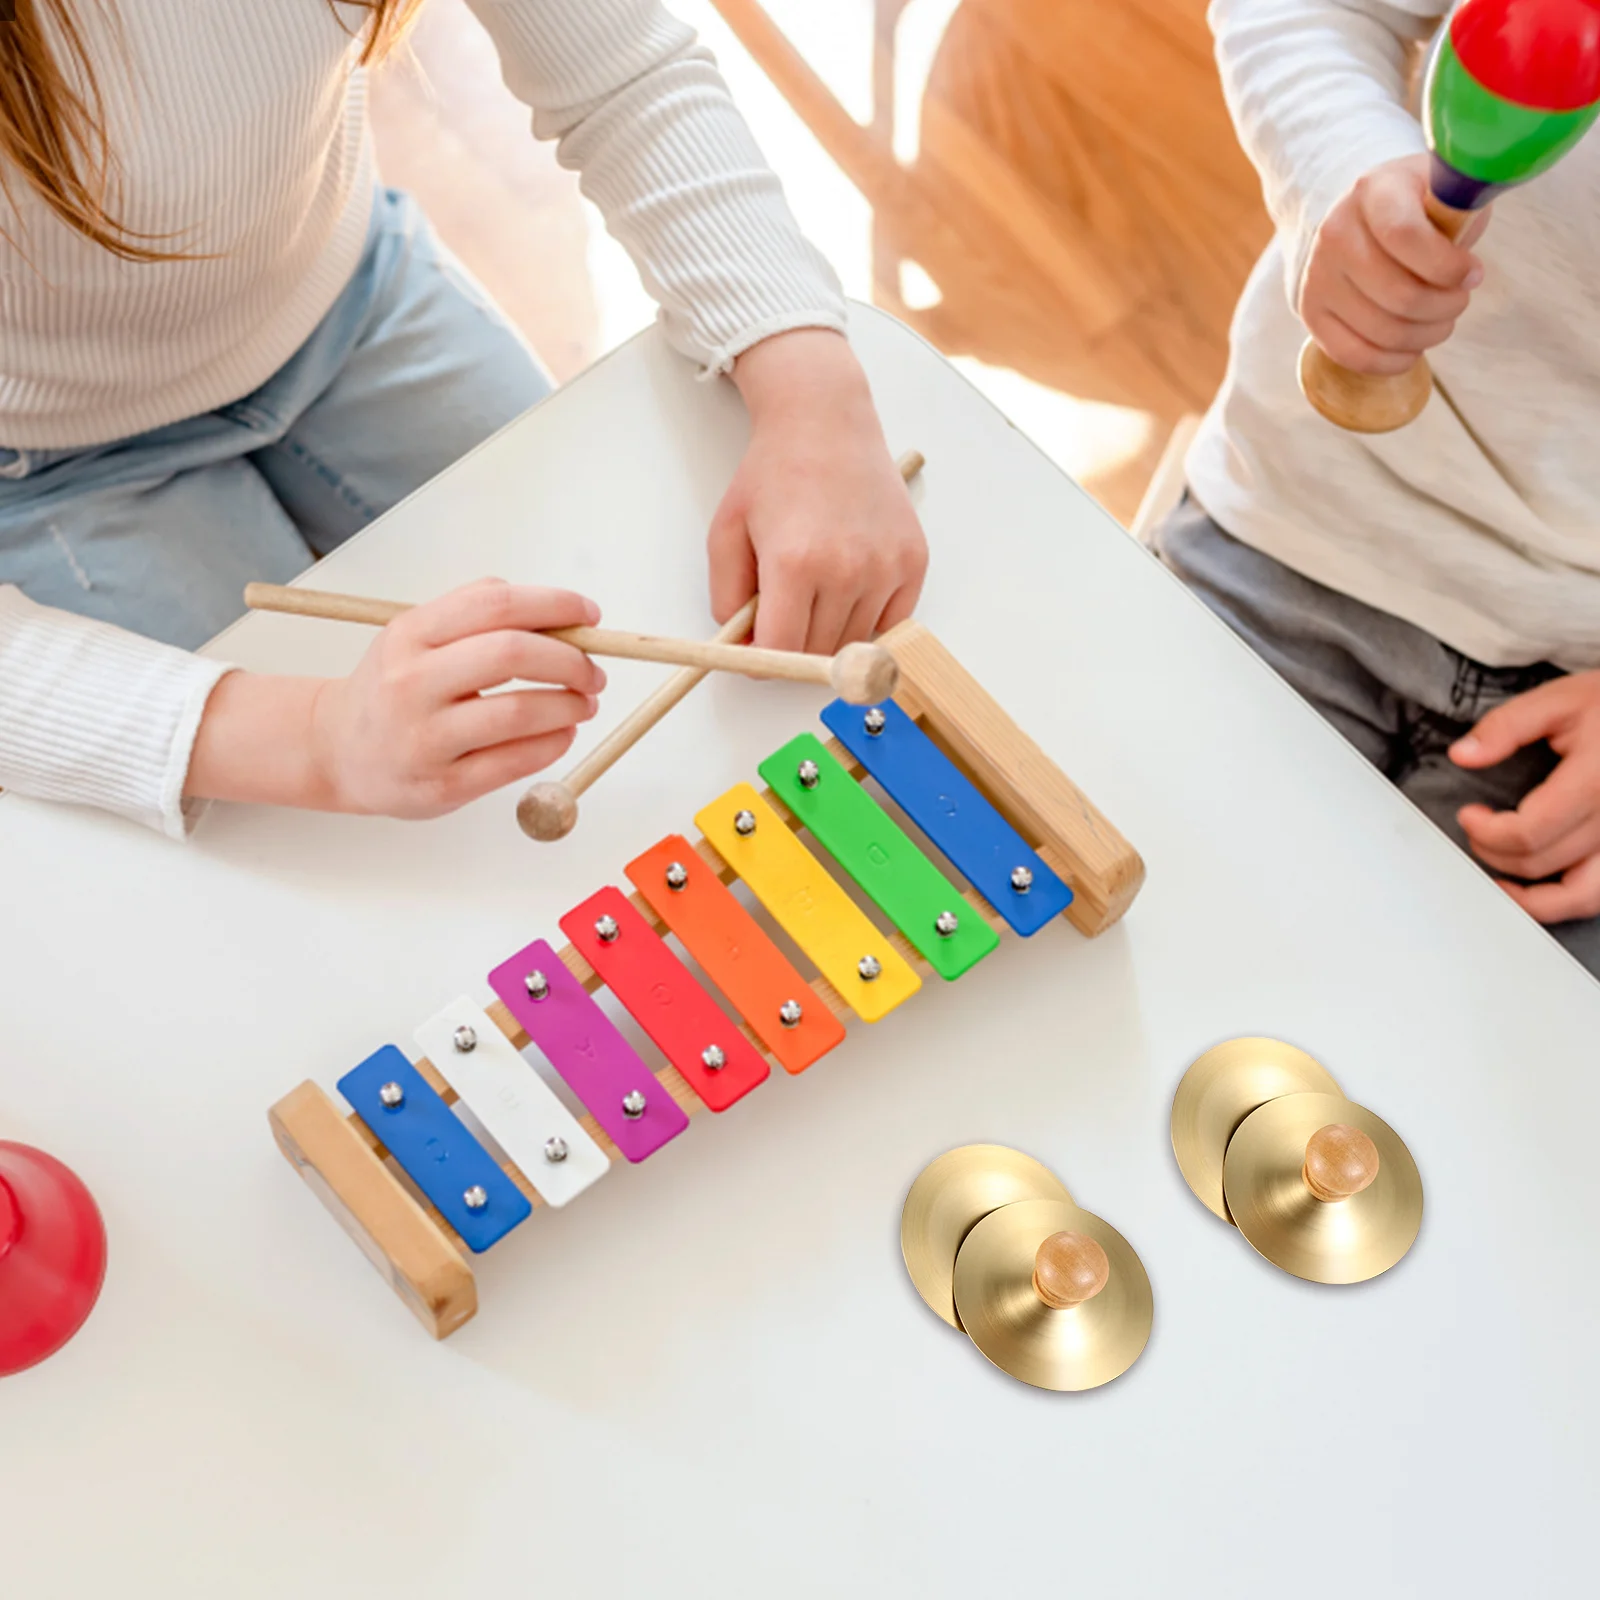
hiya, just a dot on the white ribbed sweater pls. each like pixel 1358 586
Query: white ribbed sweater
pixel 242 128
pixel 1478 522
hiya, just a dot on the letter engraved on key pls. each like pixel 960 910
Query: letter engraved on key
pixel 947 805
pixel 661 994
pixel 584 1047
pixel 877 855
pixel 801 902
pixel 437 1151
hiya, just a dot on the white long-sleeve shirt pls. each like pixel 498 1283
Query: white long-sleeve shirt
pixel 241 128
pixel 1479 522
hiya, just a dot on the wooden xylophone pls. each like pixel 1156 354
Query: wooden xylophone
pixel 421 1193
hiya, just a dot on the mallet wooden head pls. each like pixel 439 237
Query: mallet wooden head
pixel 864 674
pixel 548 811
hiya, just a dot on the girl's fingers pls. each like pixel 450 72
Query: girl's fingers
pixel 733 564
pixel 493 606
pixel 830 616
pixel 486 660
pixel 865 616
pixel 1574 899
pixel 783 620
pixel 901 604
pixel 484 771
pixel 517 714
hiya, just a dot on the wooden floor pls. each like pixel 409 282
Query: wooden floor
pixel 1076 196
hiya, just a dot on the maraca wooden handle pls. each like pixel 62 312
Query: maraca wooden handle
pixel 1450 222
pixel 1364 402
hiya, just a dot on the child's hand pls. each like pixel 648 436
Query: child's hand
pixel 1556 829
pixel 1383 284
pixel 817 517
pixel 409 733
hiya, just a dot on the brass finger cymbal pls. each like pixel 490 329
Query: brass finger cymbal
pixel 1323 1188
pixel 1053 1295
pixel 951 1194
pixel 1220 1089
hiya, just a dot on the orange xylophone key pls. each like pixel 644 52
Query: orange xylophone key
pixel 737 956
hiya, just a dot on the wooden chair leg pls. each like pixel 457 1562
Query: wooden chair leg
pixel 1166 484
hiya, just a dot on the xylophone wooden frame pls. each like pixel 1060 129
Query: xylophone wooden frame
pixel 420 1254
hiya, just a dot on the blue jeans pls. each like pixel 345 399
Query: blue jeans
pixel 1399 695
pixel 411 368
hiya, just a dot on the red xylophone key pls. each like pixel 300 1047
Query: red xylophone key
pixel 694 1033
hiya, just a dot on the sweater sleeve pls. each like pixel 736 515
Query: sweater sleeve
pixel 1318 91
pixel 98 716
pixel 642 114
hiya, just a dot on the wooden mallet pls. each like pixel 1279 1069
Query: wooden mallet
pixel 1511 87
pixel 860 673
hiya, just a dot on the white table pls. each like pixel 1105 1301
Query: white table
pixel 710 1376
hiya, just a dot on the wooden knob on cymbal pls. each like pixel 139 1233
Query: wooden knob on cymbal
pixel 864 674
pixel 1069 1269
pixel 548 811
pixel 1340 1161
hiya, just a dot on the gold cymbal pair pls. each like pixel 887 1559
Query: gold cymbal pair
pixel 1048 1292
pixel 1316 1183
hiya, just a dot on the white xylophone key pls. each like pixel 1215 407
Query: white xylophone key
pixel 519 1110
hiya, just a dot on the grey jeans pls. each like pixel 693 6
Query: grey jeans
pixel 1396 693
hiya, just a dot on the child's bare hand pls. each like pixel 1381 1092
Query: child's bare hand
pixel 817 515
pixel 410 733
pixel 1555 832
pixel 1383 284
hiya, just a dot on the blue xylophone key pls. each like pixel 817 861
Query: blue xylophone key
pixel 950 809
pixel 435 1147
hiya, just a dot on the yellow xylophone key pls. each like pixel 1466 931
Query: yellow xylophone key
pixel 806 902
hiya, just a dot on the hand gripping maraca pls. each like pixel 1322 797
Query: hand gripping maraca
pixel 1512 85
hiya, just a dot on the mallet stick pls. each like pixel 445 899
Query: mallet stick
pixel 860 673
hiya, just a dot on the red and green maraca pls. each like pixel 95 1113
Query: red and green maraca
pixel 1511 87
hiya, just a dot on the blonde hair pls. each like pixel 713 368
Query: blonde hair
pixel 52 121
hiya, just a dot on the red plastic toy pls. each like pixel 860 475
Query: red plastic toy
pixel 52 1255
